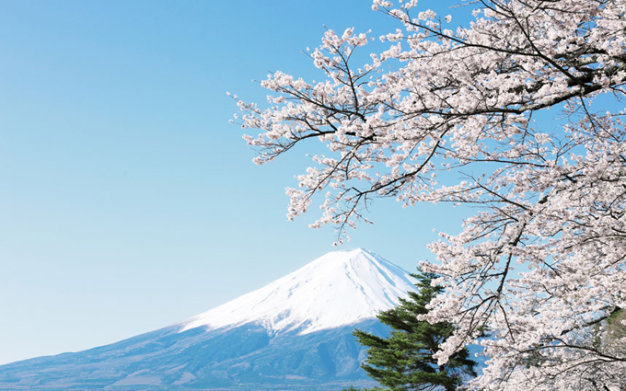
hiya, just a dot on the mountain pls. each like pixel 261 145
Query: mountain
pixel 337 289
pixel 293 334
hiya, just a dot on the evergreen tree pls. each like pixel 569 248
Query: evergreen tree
pixel 404 361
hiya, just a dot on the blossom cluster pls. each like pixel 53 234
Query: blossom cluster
pixel 537 273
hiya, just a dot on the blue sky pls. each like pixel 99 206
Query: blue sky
pixel 127 200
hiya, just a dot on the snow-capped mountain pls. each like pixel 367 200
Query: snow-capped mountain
pixel 293 334
pixel 337 289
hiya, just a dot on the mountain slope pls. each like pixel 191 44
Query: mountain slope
pixel 337 289
pixel 293 334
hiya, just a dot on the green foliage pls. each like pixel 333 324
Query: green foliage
pixel 609 334
pixel 616 328
pixel 404 361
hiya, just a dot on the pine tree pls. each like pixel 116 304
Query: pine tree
pixel 404 361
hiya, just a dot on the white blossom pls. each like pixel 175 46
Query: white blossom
pixel 541 266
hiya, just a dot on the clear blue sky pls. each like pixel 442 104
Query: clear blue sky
pixel 127 200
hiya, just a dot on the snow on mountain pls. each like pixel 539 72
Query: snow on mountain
pixel 337 289
pixel 293 334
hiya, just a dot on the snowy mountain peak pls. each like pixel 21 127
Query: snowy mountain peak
pixel 336 289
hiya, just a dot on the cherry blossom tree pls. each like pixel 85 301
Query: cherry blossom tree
pixel 541 265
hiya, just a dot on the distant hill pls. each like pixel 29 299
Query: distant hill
pixel 293 334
